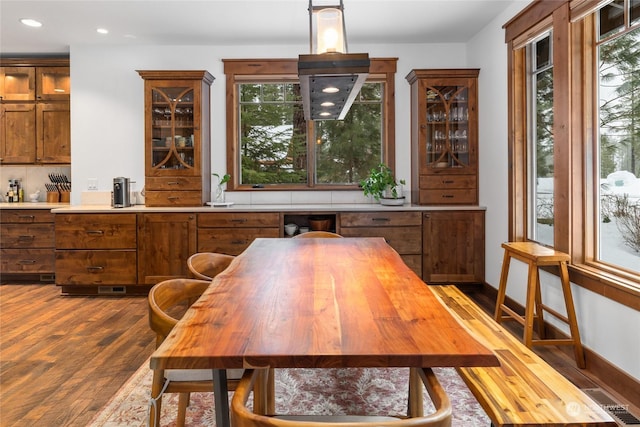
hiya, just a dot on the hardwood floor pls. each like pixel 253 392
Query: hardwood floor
pixel 63 358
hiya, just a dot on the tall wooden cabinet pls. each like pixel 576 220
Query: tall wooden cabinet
pixel 444 136
pixel 35 115
pixel 177 137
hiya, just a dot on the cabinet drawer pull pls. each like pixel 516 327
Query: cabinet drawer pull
pixel 447 181
pixel 381 219
pixel 29 217
pixel 448 196
pixel 238 242
pixel 95 232
pixel 172 197
pixel 173 183
pixel 26 262
pixel 239 220
pixel 95 268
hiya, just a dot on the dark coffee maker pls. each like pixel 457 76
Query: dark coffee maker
pixel 121 192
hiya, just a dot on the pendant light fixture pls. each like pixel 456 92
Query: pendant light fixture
pixel 330 77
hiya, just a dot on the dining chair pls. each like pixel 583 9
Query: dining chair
pixel 316 234
pixel 168 300
pixel 242 416
pixel 207 265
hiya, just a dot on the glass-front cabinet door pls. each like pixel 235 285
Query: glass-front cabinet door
pixel 447 127
pixel 173 129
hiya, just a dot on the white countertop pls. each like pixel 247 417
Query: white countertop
pixel 362 207
pixel 31 205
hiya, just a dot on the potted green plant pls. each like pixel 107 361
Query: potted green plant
pixel 383 186
pixel 218 196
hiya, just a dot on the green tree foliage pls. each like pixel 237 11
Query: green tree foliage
pixel 619 69
pixel 274 140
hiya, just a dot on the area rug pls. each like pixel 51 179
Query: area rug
pixel 318 391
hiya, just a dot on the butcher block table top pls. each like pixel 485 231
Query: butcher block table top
pixel 319 303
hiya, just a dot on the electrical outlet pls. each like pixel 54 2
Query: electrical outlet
pixel 92 184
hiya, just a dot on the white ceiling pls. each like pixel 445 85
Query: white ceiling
pixel 228 22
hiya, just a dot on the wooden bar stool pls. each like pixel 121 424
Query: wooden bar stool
pixel 535 256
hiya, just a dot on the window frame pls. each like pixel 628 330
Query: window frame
pixel 575 184
pixel 274 70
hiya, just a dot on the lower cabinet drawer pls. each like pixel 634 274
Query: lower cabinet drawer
pixel 173 183
pixel 231 241
pixel 27 216
pixel 27 261
pixel 172 198
pixel 447 181
pixel 405 240
pixel 85 267
pixel 239 219
pixel 27 236
pixel 468 196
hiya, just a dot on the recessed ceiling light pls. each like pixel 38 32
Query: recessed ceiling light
pixel 325 114
pixel 327 104
pixel 102 31
pixel 31 22
pixel 331 89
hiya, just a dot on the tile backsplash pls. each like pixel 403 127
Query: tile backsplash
pixel 33 178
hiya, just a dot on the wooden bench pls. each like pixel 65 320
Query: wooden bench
pixel 524 390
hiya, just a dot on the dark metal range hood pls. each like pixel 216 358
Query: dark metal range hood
pixel 346 72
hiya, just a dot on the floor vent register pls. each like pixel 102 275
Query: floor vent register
pixel 619 412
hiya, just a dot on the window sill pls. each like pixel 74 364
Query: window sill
pixel 616 288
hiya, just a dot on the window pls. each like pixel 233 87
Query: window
pixel 540 140
pixel 270 145
pixel 618 138
pixel 574 138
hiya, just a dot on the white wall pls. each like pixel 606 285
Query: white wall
pixel 606 327
pixel 107 108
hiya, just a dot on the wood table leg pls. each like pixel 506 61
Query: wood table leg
pixel 221 397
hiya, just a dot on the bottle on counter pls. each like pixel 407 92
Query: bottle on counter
pixel 21 195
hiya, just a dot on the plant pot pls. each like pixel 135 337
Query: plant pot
pixel 319 224
pixel 397 201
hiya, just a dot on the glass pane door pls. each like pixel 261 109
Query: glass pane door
pixel 172 127
pixel 447 128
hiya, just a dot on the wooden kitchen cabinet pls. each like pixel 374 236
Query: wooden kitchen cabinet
pixel 96 252
pixel 231 233
pixel 18 134
pixel 35 111
pixel 17 83
pixel 165 241
pixel 453 246
pixel 27 243
pixel 444 136
pixel 401 230
pixel 53 126
pixel 177 137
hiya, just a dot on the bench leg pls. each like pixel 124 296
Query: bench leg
pixel 502 288
pixel 571 316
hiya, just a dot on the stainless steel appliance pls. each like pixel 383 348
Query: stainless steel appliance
pixel 121 192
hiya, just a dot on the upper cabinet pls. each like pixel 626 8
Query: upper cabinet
pixel 53 83
pixel 444 136
pixel 17 83
pixel 177 137
pixel 35 114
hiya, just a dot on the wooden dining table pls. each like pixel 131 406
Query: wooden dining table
pixel 316 303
